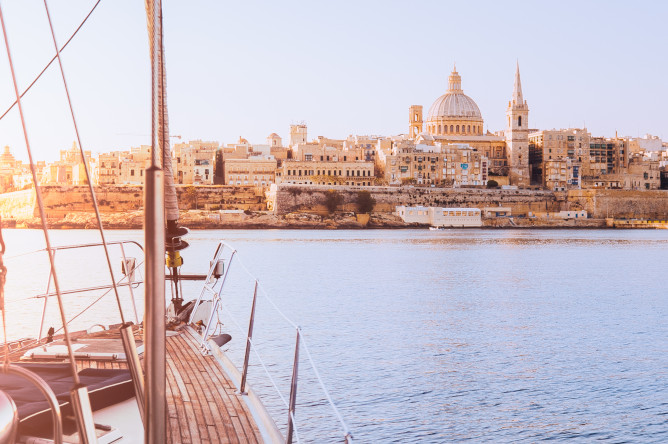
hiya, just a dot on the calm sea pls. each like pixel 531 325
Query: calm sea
pixel 425 336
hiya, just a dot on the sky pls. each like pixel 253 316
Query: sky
pixel 251 68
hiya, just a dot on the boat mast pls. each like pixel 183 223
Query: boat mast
pixel 154 236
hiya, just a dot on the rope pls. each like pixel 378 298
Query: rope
pixel 3 277
pixel 40 202
pixel 86 169
pixel 52 60
pixel 154 40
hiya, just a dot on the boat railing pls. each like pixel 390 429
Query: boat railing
pixel 131 279
pixel 216 291
pixel 214 286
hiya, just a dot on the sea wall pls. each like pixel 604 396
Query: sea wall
pixel 620 203
pixel 17 204
pixel 62 200
pixel 300 198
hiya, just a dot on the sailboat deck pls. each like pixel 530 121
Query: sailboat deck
pixel 202 403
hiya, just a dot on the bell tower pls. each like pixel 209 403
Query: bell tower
pixel 414 121
pixel 517 135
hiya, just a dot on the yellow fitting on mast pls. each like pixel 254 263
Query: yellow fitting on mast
pixel 173 259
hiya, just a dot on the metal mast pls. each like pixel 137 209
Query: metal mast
pixel 154 236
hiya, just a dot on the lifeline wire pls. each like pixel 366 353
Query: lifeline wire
pixel 83 160
pixel 266 370
pixel 52 60
pixel 40 203
pixel 348 434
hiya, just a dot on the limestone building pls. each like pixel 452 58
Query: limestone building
pixel 259 171
pixel 547 148
pixel 333 172
pixel 297 134
pixel 454 118
pixel 453 165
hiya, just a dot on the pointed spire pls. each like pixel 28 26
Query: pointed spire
pixel 517 89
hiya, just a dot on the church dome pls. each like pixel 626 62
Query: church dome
pixel 451 105
pixel 454 103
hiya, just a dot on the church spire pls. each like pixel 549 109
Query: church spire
pixel 517 89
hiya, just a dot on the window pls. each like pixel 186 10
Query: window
pixel 457 127
pixel 519 121
pixel 308 157
pixel 451 128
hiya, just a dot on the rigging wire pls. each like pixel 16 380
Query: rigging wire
pixel 40 204
pixel 86 169
pixel 52 60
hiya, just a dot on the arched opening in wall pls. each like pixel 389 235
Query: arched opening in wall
pixel 468 129
pixel 439 129
pixel 445 129
pixel 457 128
pixel 416 117
pixel 519 121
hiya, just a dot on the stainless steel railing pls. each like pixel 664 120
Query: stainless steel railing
pixel 129 276
pixel 213 287
pixel 216 289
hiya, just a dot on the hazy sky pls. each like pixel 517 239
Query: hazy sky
pixel 248 68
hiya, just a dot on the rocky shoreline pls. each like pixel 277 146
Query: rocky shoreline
pixel 213 220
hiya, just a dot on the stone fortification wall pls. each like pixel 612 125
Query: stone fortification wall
pixel 62 200
pixel 17 204
pixel 301 198
pixel 620 203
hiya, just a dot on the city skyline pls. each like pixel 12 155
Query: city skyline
pixel 250 70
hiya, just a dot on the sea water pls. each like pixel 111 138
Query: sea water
pixel 420 336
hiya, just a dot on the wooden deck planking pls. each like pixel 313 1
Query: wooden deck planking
pixel 244 421
pixel 202 403
pixel 205 399
pixel 240 424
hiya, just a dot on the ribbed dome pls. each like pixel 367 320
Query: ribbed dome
pixel 454 104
